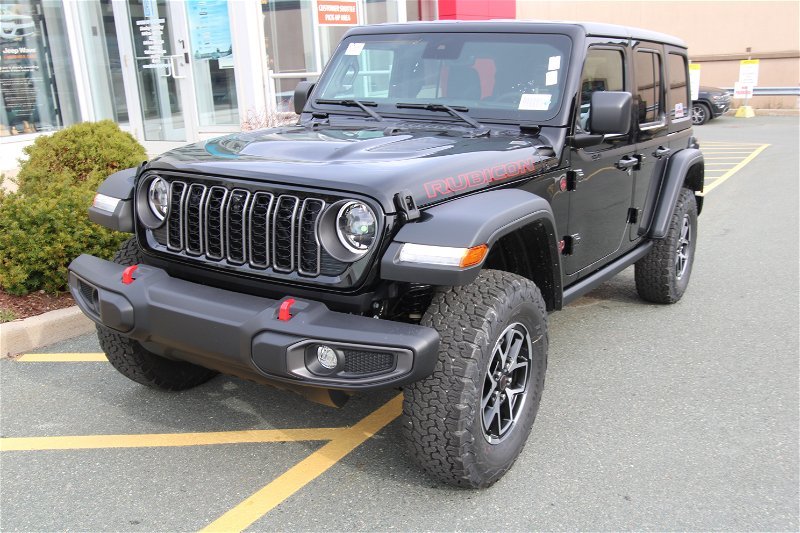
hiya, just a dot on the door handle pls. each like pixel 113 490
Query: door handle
pixel 627 162
pixel 661 151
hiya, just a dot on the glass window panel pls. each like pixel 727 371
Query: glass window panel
pixel 37 85
pixel 648 86
pixel 678 86
pixel 289 32
pixel 212 62
pixel 603 71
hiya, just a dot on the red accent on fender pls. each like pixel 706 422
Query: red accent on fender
pixel 127 274
pixel 285 311
pixel 561 246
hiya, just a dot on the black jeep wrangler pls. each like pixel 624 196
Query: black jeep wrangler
pixel 446 186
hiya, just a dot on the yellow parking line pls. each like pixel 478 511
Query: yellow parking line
pixel 155 440
pixel 297 477
pixel 61 357
pixel 734 170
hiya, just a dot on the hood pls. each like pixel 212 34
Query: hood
pixel 433 162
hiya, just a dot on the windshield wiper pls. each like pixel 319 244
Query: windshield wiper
pixel 455 111
pixel 353 103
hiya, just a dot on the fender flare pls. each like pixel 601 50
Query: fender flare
pixel 118 185
pixel 465 222
pixel 674 178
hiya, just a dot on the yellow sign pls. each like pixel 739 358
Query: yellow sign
pixel 748 72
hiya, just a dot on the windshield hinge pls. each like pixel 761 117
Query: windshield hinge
pixel 404 201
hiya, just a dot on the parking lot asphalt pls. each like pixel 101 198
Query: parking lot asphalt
pixel 653 417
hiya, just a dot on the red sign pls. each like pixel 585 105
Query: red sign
pixel 337 12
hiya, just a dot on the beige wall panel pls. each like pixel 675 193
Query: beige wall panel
pixel 707 27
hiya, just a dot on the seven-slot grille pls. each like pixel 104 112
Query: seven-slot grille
pixel 259 229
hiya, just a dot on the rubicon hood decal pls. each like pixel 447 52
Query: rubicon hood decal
pixel 479 178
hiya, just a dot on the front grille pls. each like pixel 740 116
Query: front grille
pixel 257 230
pixel 358 362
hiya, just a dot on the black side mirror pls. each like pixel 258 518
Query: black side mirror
pixel 610 112
pixel 301 93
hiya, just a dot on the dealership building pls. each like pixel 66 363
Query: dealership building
pixel 173 72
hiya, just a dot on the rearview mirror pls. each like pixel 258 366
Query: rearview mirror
pixel 610 112
pixel 301 93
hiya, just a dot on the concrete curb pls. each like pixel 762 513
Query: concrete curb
pixel 34 332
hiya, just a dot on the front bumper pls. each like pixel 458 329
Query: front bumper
pixel 721 107
pixel 242 335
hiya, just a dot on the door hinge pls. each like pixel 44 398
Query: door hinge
pixel 570 243
pixel 573 177
pixel 404 201
pixel 633 215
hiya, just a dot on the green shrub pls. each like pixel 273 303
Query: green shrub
pixel 83 154
pixel 44 225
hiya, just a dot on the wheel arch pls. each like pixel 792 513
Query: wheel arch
pixel 684 169
pixel 518 227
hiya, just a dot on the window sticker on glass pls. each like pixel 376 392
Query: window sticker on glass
pixel 354 49
pixel 535 102
pixel 679 110
pixel 551 78
pixel 554 63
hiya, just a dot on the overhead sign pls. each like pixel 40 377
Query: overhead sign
pixel 742 90
pixel 694 80
pixel 748 72
pixel 337 12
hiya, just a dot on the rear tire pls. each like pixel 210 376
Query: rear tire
pixel 138 364
pixel 663 274
pixel 467 423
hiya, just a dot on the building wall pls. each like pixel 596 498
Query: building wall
pixel 718 34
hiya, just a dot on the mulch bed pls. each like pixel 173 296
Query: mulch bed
pixel 33 304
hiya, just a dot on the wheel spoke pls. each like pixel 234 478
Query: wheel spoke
pixel 490 392
pixel 490 414
pixel 520 364
pixel 513 352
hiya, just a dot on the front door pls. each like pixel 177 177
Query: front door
pixel 598 213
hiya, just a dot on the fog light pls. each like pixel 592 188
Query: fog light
pixel 327 357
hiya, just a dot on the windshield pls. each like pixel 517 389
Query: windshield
pixel 507 76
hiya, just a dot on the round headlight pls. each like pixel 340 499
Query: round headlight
pixel 157 197
pixel 355 226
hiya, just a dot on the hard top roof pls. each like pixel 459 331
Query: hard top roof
pixel 511 25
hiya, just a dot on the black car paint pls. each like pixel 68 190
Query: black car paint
pixel 340 151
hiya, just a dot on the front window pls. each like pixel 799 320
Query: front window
pixel 518 77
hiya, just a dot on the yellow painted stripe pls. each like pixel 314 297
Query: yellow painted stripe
pixel 155 440
pixel 61 357
pixel 717 182
pixel 722 158
pixel 297 477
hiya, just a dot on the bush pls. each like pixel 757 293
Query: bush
pixel 83 154
pixel 44 225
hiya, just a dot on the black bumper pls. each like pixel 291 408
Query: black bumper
pixel 242 335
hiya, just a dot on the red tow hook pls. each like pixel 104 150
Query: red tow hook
pixel 285 310
pixel 127 274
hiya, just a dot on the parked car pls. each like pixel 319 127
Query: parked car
pixel 711 103
pixel 446 186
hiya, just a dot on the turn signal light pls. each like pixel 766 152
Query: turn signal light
pixel 473 256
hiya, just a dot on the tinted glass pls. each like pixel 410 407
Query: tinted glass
pixel 648 86
pixel 678 86
pixel 510 76
pixel 603 71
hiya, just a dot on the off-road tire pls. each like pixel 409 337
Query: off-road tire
pixel 138 364
pixel 656 273
pixel 442 413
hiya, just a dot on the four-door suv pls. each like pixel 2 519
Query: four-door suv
pixel 711 102
pixel 446 186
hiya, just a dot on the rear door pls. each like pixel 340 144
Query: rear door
pixel 599 204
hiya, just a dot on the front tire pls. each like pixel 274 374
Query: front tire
pixel 663 274
pixel 467 423
pixel 136 363
pixel 701 114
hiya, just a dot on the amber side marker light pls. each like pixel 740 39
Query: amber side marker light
pixel 474 256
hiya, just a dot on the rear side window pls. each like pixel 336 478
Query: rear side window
pixel 648 86
pixel 603 71
pixel 678 86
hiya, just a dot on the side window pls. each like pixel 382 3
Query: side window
pixel 678 87
pixel 648 86
pixel 603 71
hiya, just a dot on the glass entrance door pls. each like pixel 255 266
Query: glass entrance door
pixel 162 75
